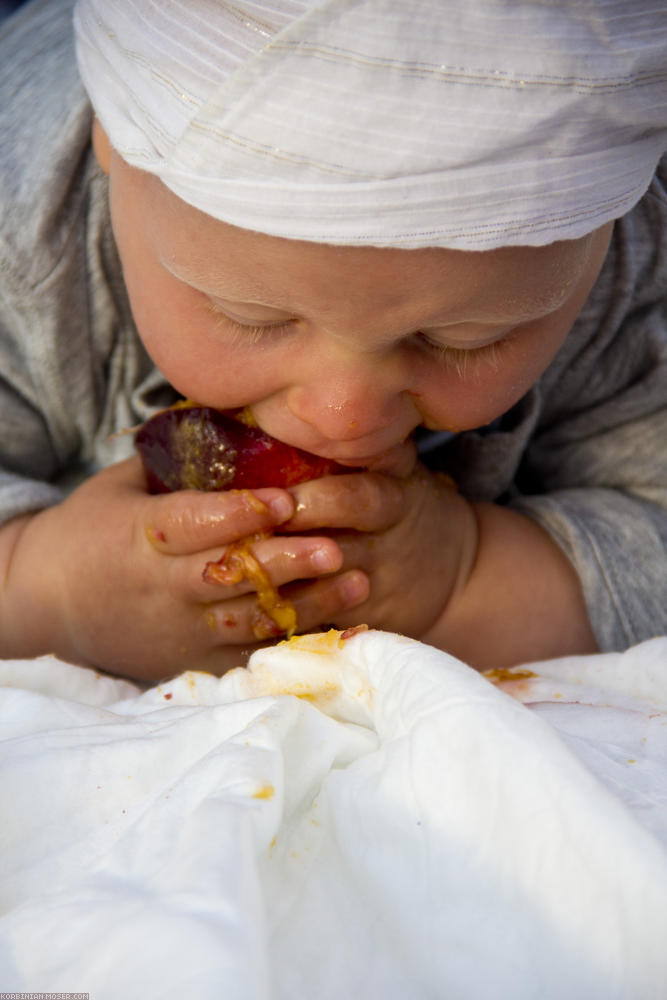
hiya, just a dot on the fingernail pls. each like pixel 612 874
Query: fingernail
pixel 282 507
pixel 324 560
pixel 354 587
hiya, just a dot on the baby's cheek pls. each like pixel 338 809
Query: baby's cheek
pixel 477 395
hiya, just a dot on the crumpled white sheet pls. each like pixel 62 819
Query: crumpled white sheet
pixel 364 817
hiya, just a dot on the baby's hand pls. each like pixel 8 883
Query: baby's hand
pixel 408 544
pixel 114 578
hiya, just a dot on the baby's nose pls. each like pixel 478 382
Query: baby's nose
pixel 346 412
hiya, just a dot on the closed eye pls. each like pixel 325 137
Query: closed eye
pixel 458 358
pixel 462 358
pixel 247 333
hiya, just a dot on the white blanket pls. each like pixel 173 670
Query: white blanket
pixel 362 817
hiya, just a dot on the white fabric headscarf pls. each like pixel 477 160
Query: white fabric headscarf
pixel 409 123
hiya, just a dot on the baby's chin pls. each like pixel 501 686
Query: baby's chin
pixel 397 461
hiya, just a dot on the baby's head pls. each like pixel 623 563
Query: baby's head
pixel 354 236
pixel 340 350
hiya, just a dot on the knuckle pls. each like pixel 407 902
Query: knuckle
pixel 187 519
pixel 184 520
pixel 225 622
pixel 369 490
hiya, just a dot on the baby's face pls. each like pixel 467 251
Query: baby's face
pixel 342 351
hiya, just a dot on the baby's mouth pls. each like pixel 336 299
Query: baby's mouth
pixel 396 461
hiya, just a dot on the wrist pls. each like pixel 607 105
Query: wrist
pixel 521 600
pixel 11 534
pixel 28 598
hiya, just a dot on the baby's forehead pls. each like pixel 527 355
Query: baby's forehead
pixel 377 123
pixel 241 265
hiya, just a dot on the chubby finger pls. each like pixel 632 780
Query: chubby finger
pixel 362 501
pixel 323 600
pixel 194 521
pixel 283 558
pixel 241 622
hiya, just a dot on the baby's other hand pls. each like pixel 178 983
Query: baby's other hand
pixel 408 544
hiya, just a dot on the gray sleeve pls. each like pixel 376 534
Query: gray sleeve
pixel 30 457
pixel 70 361
pixel 616 543
pixel 36 125
pixel 599 455
pixel 71 367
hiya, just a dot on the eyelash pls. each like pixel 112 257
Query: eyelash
pixel 240 332
pixel 457 358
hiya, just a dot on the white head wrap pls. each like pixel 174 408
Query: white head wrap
pixel 459 123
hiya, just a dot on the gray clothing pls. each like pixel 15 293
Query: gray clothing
pixel 584 452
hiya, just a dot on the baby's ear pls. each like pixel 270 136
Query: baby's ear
pixel 101 146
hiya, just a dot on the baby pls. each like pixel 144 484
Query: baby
pixel 398 260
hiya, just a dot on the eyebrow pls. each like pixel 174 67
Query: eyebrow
pixel 508 319
pixel 252 294
pixel 198 279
